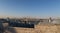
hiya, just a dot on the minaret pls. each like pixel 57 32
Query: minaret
pixel 50 19
pixel 8 19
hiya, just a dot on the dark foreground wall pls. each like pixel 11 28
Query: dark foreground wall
pixel 24 25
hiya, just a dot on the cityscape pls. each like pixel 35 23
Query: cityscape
pixel 29 16
pixel 29 23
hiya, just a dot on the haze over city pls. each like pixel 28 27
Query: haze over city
pixel 33 8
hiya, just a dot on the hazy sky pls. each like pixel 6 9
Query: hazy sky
pixel 42 8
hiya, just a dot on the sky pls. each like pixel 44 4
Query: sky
pixel 33 8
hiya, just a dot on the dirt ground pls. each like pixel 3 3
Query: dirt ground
pixel 40 29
